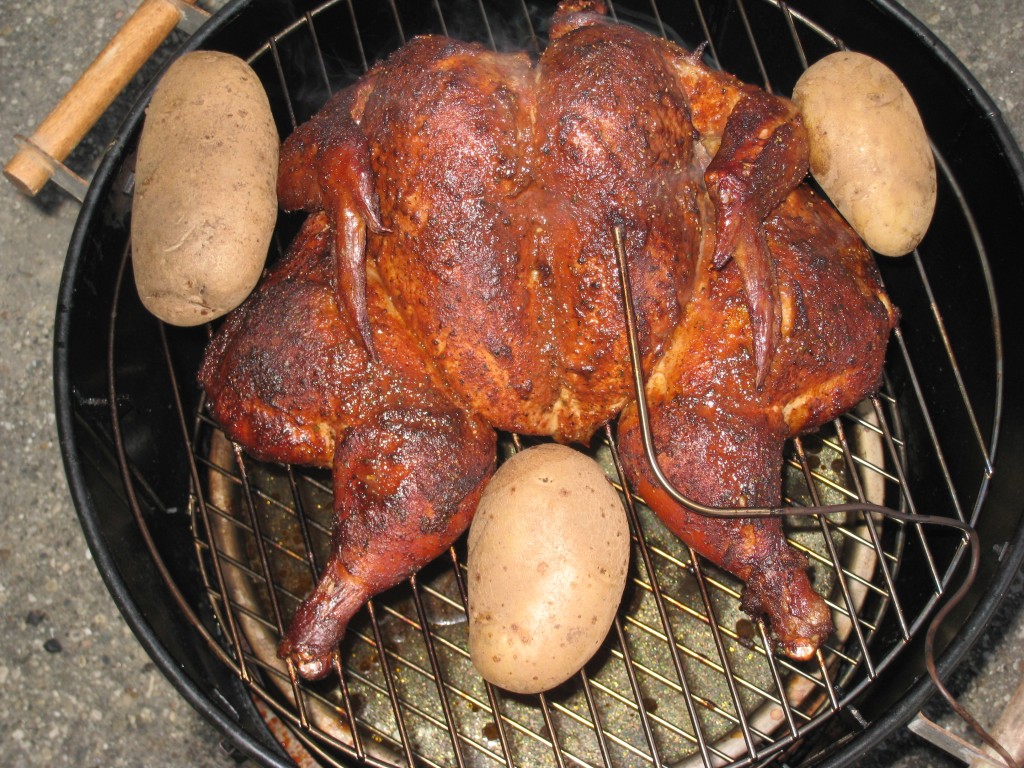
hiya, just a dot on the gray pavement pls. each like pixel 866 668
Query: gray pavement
pixel 76 689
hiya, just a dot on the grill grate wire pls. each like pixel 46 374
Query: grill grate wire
pixel 681 678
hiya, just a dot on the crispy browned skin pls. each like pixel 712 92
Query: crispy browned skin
pixel 719 437
pixel 476 191
pixel 496 184
pixel 289 379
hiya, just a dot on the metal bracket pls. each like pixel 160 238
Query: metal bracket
pixel 60 174
pixel 192 17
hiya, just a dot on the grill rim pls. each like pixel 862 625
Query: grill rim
pixel 993 592
pixel 255 741
pixel 969 631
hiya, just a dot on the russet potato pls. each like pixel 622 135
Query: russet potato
pixel 548 557
pixel 868 149
pixel 205 200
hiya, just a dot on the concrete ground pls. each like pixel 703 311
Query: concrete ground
pixel 75 686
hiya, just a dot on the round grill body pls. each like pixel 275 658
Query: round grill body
pixel 207 552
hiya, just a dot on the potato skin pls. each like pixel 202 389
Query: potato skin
pixel 868 149
pixel 205 189
pixel 548 558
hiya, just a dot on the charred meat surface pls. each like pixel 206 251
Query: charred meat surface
pixel 719 436
pixel 457 275
pixel 290 379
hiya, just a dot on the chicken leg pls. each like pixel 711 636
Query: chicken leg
pixel 719 435
pixel 289 376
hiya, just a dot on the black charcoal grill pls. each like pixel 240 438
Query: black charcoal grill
pixel 207 552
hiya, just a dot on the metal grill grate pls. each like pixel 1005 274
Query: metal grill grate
pixel 684 677
pixel 680 651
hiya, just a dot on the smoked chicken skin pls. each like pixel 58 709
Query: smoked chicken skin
pixel 457 276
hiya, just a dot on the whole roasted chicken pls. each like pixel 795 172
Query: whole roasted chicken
pixel 456 275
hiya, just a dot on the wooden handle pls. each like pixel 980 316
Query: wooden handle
pixel 93 93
